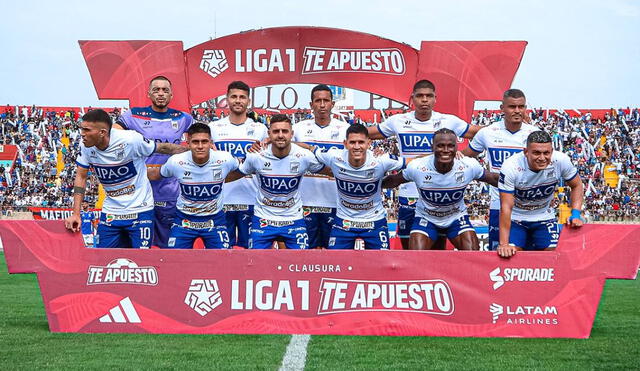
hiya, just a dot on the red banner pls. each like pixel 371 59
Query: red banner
pixel 436 293
pixel 462 71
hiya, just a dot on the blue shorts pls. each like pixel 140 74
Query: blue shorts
pixel 318 227
pixel 494 229
pixel 459 226
pixel 375 235
pixel 534 235
pixel 186 228
pixel 406 214
pixel 264 233
pixel 239 225
pixel 165 212
pixel 131 230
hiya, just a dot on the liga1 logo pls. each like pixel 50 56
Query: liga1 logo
pixel 388 61
pixel 122 271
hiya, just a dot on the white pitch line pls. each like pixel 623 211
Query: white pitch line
pixel 296 355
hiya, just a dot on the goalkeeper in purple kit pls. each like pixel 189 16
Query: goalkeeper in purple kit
pixel 161 124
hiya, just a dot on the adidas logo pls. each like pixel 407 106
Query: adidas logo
pixel 122 313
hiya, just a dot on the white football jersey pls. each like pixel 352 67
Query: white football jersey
pixel 415 137
pixel 534 191
pixel 359 189
pixel 500 144
pixel 442 195
pixel 122 171
pixel 237 139
pixel 201 185
pixel 319 190
pixel 278 179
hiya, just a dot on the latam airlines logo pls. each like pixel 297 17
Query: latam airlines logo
pixel 122 271
pixel 423 296
pixel 388 61
pixel 214 62
pixel 520 275
pixel 524 314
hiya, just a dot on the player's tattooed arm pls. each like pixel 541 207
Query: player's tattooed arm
pixel 153 172
pixel 170 149
pixel 489 177
pixel 79 184
pixel 393 180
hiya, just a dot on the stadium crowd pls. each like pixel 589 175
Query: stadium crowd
pixel 39 178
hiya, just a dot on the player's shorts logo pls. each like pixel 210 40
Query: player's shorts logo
pixel 213 62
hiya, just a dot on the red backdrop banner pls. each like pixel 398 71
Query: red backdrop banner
pixel 462 71
pixel 438 293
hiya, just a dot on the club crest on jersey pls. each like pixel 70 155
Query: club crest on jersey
pixel 174 124
pixel 217 174
pixel 250 132
pixel 459 176
pixel 120 155
pixel 370 173
pixel 295 167
pixel 334 134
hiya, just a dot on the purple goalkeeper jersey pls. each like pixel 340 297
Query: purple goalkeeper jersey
pixel 162 127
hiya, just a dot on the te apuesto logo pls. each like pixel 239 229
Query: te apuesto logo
pixel 122 271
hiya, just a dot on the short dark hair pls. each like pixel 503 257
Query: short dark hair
pixel 539 136
pixel 444 131
pixel 513 93
pixel 198 127
pixel 321 87
pixel 280 118
pixel 357 129
pixel 241 85
pixel 98 115
pixel 424 84
pixel 160 77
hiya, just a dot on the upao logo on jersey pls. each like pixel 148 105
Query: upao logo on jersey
pixel 537 193
pixel 115 174
pixel 279 185
pixel 357 189
pixel 442 197
pixel 499 155
pixel 201 191
pixel 388 61
pixel 122 271
pixel 420 296
pixel 416 142
pixel 237 148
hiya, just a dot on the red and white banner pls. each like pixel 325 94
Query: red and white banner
pixel 463 71
pixel 435 293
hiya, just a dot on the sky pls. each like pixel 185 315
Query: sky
pixel 580 54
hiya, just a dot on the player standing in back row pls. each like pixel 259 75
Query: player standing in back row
pixel 414 131
pixel 502 140
pixel 319 192
pixel 235 134
pixel 160 124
